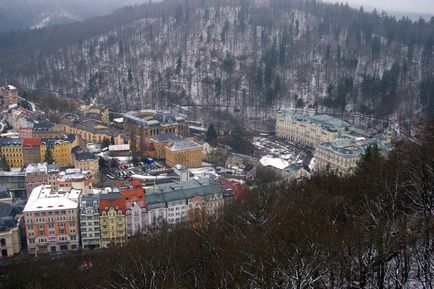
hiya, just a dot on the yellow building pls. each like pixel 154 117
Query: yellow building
pixel 86 161
pixel 12 150
pixel 91 130
pixel 184 152
pixel 60 149
pixel 101 110
pixel 307 129
pixel 145 124
pixel 112 219
pixel 160 141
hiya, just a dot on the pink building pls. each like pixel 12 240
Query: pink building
pixel 51 220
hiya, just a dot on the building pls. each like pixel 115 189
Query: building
pixel 309 130
pixel 10 237
pixel 91 130
pixel 181 202
pixel 112 219
pixel 86 161
pixel 341 155
pixel 101 111
pixel 9 94
pixel 283 168
pixel 31 150
pixel 121 150
pixel 61 149
pixel 15 182
pixel 12 150
pixel 41 174
pixel 135 205
pixel 89 222
pixel 46 129
pixel 20 118
pixel 160 141
pixel 75 179
pixel 141 125
pixel 51 220
pixel 184 152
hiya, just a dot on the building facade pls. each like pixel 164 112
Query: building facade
pixel 10 237
pixel 135 205
pixel 184 152
pixel 144 124
pixel 86 161
pixel 309 130
pixel 61 149
pixel 51 220
pixel 89 222
pixel 190 202
pixel 12 150
pixel 9 94
pixel 112 219
pixel 31 150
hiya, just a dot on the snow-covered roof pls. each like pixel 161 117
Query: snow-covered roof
pixel 118 148
pixel 44 198
pixel 269 161
pixel 11 87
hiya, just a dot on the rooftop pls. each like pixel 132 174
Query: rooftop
pixel 5 193
pixel 325 121
pixel 270 161
pixel 84 156
pixel 43 168
pixel 148 117
pixel 10 142
pixel 31 142
pixel 58 140
pixel 45 198
pixel 182 190
pixel 184 144
pixel 118 148
pixel 166 137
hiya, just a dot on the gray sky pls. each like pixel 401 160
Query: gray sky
pixel 408 6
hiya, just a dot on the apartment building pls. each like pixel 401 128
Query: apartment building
pixel 75 179
pixel 60 147
pixel 112 219
pixel 31 150
pixel 135 205
pixel 89 222
pixel 184 202
pixel 86 161
pixel 41 174
pixel 12 150
pixel 51 220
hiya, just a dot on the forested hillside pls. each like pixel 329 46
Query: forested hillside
pixel 25 14
pixel 235 56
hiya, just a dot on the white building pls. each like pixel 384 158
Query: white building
pixel 51 220
pixel 309 129
pixel 89 222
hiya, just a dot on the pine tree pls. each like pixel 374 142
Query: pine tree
pixel 4 164
pixel 48 158
pixel 211 135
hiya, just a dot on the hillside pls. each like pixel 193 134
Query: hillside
pixel 233 56
pixel 24 14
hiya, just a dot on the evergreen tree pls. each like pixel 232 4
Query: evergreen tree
pixel 4 164
pixel 105 143
pixel 211 135
pixel 48 158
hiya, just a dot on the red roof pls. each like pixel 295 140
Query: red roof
pixel 31 142
pixel 26 129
